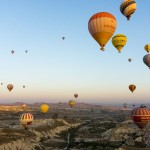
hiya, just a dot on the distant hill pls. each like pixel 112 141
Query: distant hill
pixel 65 105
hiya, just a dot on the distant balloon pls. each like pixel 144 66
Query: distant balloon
pixel 24 106
pixel 26 51
pixel 63 37
pixel 119 41
pixel 102 26
pixel 140 116
pixel 71 103
pixel 26 119
pixel 127 8
pixel 12 51
pixel 132 87
pixel 23 86
pixel 44 108
pixel 1 83
pixel 76 95
pixel 129 59
pixel 146 60
pixel 10 87
pixel 133 105
pixel 147 47
pixel 143 106
pixel 125 105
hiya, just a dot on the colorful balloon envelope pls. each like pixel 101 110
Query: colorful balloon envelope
pixel 10 87
pixel 132 87
pixel 102 26
pixel 76 95
pixel 119 41
pixel 72 103
pixel 147 47
pixel 44 108
pixel 127 8
pixel 140 116
pixel 26 119
pixel 146 60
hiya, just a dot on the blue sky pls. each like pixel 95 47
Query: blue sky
pixel 54 69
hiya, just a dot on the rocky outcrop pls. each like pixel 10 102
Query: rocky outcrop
pixel 34 142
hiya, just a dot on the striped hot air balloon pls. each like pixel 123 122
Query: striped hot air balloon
pixel 140 116
pixel 132 87
pixel 147 47
pixel 26 119
pixel 119 41
pixel 127 8
pixel 102 26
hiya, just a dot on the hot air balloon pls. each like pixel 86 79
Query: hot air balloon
pixel 143 106
pixel 132 87
pixel 24 106
pixel 119 41
pixel 76 95
pixel 129 59
pixel 1 83
pixel 23 86
pixel 133 105
pixel 102 26
pixel 12 51
pixel 10 87
pixel 63 37
pixel 125 105
pixel 146 60
pixel 26 51
pixel 127 8
pixel 44 108
pixel 140 116
pixel 72 103
pixel 26 119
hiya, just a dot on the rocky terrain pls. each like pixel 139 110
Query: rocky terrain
pixel 72 129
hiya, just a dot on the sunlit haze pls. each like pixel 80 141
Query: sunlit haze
pixel 54 69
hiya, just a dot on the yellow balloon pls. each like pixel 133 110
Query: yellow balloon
pixel 119 41
pixel 147 47
pixel 44 108
pixel 72 103
pixel 102 27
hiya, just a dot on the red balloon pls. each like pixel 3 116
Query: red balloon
pixel 140 116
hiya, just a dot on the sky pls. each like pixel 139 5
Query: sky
pixel 54 69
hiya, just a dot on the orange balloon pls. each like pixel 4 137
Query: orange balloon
pixel 132 87
pixel 10 87
pixel 102 26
